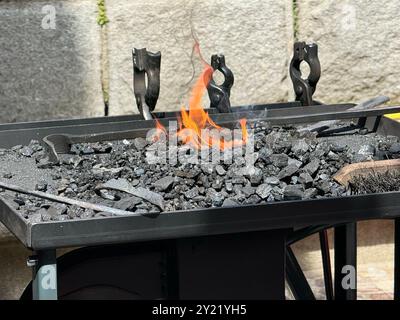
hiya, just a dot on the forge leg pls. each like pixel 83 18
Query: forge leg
pixel 397 259
pixel 346 262
pixel 44 266
pixel 249 265
pixel 296 279
pixel 326 264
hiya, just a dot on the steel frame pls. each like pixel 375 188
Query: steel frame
pixel 46 237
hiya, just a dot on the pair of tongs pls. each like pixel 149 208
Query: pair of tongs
pixel 325 127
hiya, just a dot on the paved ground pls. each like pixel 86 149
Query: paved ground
pixel 375 261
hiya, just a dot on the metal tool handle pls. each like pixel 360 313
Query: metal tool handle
pixel 305 88
pixel 146 66
pixel 220 94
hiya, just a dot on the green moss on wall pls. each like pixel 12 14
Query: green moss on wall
pixel 295 9
pixel 101 14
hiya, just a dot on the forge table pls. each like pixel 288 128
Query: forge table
pixel 218 253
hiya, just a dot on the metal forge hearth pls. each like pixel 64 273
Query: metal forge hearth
pixel 216 252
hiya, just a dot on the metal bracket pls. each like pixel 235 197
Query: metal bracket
pixel 146 66
pixel 220 94
pixel 32 261
pixel 44 273
pixel 305 88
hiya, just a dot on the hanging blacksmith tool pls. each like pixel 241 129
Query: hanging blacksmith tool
pixel 305 88
pixel 146 66
pixel 220 94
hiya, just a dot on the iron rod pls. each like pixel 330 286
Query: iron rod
pixel 61 199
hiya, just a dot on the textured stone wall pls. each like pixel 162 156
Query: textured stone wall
pixel 48 73
pixel 359 47
pixel 60 73
pixel 254 35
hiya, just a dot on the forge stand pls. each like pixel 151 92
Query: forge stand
pixel 238 252
pixel 233 266
pixel 241 252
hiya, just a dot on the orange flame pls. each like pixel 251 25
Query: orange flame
pixel 159 132
pixel 196 119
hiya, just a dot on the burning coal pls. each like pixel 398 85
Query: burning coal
pixel 196 128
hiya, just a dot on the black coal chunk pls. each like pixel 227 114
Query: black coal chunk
pixel 312 167
pixel 367 150
pixel 26 151
pixel 229 202
pixel 256 178
pixel 41 186
pixel 248 190
pixel 101 148
pixel 164 183
pixel 264 190
pixel 127 204
pixel 293 192
pixel 107 195
pixel 324 186
pixel 192 193
pixel 305 179
pixel 57 209
pixel 395 148
pixel 140 143
pixel 279 160
pixel 253 199
pixel 288 171
pixel 216 198
pixel 271 180
pixel 264 154
pixel 220 170
pixel 300 147
pixel 310 193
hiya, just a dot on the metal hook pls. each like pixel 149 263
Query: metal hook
pixel 305 88
pixel 146 64
pixel 220 94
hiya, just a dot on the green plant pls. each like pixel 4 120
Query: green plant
pixel 101 16
pixel 295 19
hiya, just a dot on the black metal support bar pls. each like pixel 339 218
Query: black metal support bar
pixel 397 259
pixel 44 266
pixel 171 279
pixel 247 265
pixel 346 262
pixel 296 279
pixel 305 88
pixel 376 124
pixel 361 122
pixel 326 264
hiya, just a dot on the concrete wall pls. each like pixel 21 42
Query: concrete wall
pixel 359 47
pixel 254 35
pixel 58 62
pixel 78 67
pixel 48 73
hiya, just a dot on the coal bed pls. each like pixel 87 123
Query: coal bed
pixel 288 164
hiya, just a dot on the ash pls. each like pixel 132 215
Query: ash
pixel 286 165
